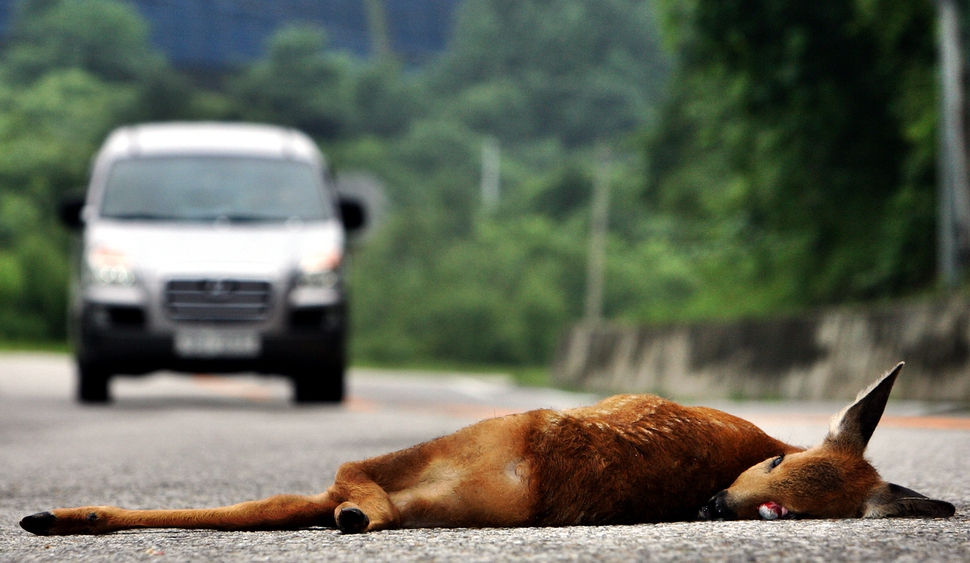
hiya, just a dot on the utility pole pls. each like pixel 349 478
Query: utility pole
pixel 598 230
pixel 953 192
pixel 380 39
pixel 491 173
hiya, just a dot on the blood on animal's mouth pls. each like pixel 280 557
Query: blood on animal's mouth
pixel 773 511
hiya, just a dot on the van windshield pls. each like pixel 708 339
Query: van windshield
pixel 210 188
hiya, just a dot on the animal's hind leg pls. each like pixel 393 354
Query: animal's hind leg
pixel 444 482
pixel 280 512
pixel 362 504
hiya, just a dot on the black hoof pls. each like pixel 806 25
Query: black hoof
pixel 352 521
pixel 39 523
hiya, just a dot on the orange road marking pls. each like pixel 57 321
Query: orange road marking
pixel 921 422
pixel 928 422
pixel 477 412
pixel 357 404
pixel 253 392
pixel 228 386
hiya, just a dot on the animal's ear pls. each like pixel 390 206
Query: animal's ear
pixel 853 427
pixel 893 501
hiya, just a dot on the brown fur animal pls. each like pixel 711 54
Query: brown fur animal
pixel 627 459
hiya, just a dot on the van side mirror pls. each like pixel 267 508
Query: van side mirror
pixel 352 214
pixel 69 210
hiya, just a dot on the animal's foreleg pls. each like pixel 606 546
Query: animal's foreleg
pixel 281 512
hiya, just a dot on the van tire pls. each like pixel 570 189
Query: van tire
pixel 93 382
pixel 324 384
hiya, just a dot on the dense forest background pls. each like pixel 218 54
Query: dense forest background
pixel 770 157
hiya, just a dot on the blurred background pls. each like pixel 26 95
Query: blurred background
pixel 750 158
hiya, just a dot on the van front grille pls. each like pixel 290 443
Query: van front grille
pixel 217 300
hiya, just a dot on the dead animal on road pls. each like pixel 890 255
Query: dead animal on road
pixel 627 459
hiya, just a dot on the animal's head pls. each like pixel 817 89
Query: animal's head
pixel 831 480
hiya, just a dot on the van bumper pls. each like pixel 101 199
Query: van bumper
pixel 118 338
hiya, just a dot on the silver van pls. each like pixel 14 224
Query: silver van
pixel 210 247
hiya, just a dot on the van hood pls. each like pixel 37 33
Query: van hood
pixel 248 250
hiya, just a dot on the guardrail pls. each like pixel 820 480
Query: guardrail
pixel 830 354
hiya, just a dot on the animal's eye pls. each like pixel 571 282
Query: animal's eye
pixel 776 462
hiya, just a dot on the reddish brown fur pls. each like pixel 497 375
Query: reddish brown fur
pixel 822 482
pixel 639 459
pixel 627 459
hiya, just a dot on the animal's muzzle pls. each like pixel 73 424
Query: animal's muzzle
pixel 717 509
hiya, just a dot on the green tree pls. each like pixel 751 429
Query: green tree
pixel 802 137
pixel 33 272
pixel 48 132
pixel 71 72
pixel 303 83
pixel 384 101
pixel 107 38
pixel 51 128
pixel 571 69
pixel 502 294
pixel 299 84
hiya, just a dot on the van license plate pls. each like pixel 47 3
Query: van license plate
pixel 208 343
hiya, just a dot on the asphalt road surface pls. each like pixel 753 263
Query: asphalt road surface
pixel 173 441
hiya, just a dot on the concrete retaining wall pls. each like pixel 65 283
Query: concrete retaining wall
pixel 832 354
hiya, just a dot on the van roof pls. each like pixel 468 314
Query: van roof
pixel 156 139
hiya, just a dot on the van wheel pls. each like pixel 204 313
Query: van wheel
pixel 92 383
pixel 325 384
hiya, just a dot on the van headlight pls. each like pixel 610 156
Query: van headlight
pixel 320 270
pixel 106 266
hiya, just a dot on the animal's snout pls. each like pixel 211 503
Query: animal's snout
pixel 716 509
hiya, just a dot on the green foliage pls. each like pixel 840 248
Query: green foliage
pixel 33 273
pixel 53 126
pixel 571 69
pixel 802 137
pixel 67 79
pixel 790 165
pixel 107 38
pixel 298 84
pixel 500 286
pixel 383 101
pixel 501 295
pixel 322 92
